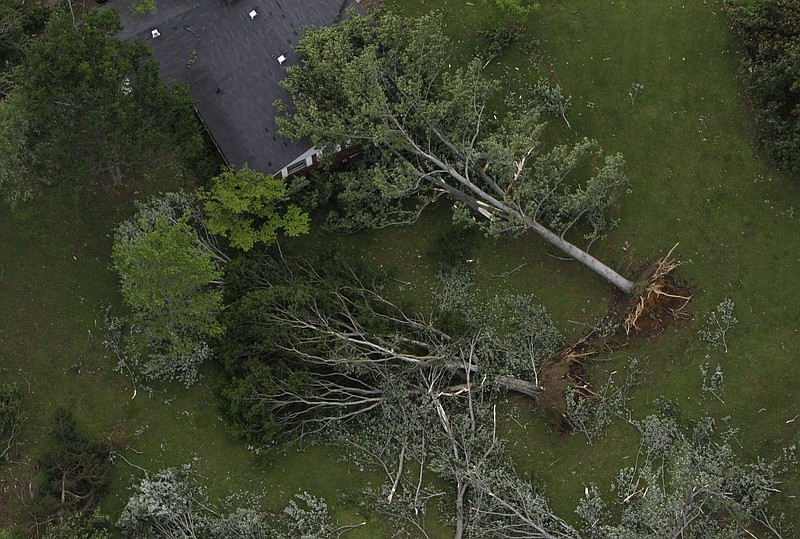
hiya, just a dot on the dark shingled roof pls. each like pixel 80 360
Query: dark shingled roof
pixel 230 63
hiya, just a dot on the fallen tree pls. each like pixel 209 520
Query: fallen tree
pixel 387 84
pixel 322 345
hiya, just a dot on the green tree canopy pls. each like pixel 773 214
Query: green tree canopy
pixel 249 207
pixel 19 21
pixel 73 469
pixel 90 106
pixel 770 30
pixel 170 276
pixel 387 83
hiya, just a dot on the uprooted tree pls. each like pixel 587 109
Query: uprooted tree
pixel 386 84
pixel 319 349
pixel 330 345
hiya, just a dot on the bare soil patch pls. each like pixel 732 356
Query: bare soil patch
pixel 660 303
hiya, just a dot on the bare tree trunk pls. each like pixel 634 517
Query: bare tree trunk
pixel 116 175
pixel 564 115
pixel 581 256
pixel 461 490
pixel 518 385
pixel 399 475
pixel 470 194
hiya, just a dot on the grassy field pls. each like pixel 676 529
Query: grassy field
pixel 696 179
pixel 54 259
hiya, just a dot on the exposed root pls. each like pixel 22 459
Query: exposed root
pixel 566 368
pixel 658 293
pixel 661 302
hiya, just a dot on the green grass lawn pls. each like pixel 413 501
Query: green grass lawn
pixel 697 180
pixel 699 183
pixel 54 260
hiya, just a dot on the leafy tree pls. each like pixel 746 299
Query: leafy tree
pixel 89 105
pixel 686 483
pixel 73 470
pixel 387 84
pixel 770 69
pixel 166 505
pixel 19 22
pixel 171 271
pixel 80 526
pixel 310 518
pixel 248 207
pixel 510 10
pixel 10 419
pixel 549 99
pixel 506 20
pixel 15 157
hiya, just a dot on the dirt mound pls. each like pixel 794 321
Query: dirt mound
pixel 566 369
pixel 661 302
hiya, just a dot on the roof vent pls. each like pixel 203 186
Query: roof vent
pixel 281 59
pixel 155 33
pixel 253 14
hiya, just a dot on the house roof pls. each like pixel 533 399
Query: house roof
pixel 230 62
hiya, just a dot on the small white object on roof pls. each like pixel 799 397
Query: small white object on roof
pixel 155 33
pixel 253 14
pixel 281 59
